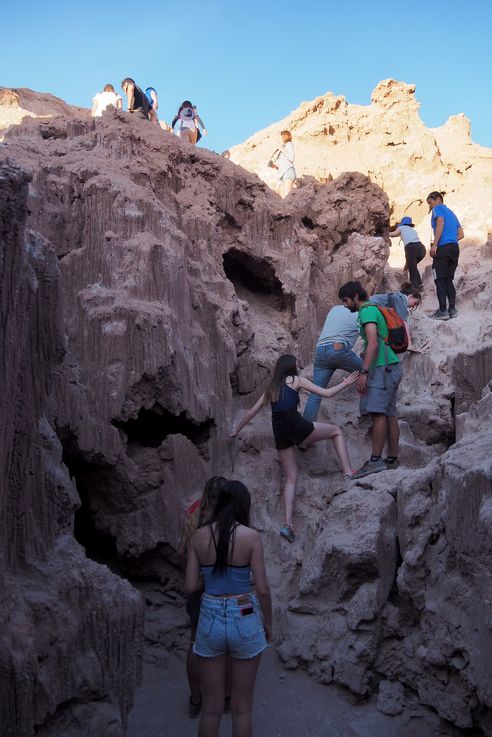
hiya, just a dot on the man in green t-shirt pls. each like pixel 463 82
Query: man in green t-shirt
pixel 379 379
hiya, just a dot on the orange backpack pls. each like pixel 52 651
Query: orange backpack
pixel 397 338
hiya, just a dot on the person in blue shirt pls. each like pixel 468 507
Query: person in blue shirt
pixel 445 252
pixel 151 95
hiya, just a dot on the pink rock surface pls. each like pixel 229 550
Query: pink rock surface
pixel 183 278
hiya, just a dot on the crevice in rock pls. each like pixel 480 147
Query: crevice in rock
pixel 152 426
pixel 307 222
pixel 229 221
pixel 99 546
pixel 254 280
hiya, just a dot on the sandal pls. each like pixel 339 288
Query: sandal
pixel 287 532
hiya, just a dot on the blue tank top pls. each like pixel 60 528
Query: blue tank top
pixel 288 399
pixel 234 580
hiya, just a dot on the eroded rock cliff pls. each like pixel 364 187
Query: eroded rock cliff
pixel 388 141
pixel 183 279
pixel 70 631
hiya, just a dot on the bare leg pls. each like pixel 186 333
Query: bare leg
pixel 193 671
pixel 187 135
pixel 288 184
pixel 393 436
pixel 212 676
pixel 325 431
pixel 289 466
pixel 243 677
pixel 379 432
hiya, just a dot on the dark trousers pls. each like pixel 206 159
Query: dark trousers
pixel 414 253
pixel 444 267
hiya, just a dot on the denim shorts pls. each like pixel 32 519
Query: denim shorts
pixel 222 628
pixel 382 390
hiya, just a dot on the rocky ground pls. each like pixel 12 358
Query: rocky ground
pixel 146 302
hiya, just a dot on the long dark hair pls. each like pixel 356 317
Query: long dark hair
pixel 231 510
pixel 406 288
pixel 285 366
pixel 185 103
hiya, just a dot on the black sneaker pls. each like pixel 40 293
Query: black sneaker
pixel 453 312
pixel 194 709
pixel 440 315
pixel 370 467
pixel 392 465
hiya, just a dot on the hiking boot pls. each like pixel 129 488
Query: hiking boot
pixel 453 312
pixel 392 465
pixel 370 467
pixel 440 315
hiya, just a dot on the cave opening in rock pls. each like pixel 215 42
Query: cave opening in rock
pixel 254 280
pixel 152 426
pixel 87 476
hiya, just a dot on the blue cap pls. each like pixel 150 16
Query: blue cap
pixel 405 221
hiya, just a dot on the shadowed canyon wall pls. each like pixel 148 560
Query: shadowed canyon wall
pixel 181 280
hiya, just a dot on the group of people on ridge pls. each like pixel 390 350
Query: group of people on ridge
pixel 189 126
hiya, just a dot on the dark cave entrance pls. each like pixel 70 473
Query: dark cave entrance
pixel 88 478
pixel 254 280
pixel 152 426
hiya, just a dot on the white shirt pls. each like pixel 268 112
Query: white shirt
pixel 187 118
pixel 408 234
pixel 102 100
pixel 285 158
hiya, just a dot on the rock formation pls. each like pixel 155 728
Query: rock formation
pixel 388 141
pixel 183 278
pixel 70 630
pixel 17 104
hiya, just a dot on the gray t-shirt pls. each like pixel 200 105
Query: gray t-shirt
pixel 400 303
pixel 340 327
pixel 408 234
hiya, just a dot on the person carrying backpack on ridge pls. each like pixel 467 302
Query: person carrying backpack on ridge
pixel 379 379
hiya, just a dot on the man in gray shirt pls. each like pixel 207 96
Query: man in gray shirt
pixel 333 351
pixel 403 302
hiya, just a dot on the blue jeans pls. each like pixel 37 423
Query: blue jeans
pixel 230 624
pixel 326 360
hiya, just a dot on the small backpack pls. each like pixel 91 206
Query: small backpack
pixel 397 338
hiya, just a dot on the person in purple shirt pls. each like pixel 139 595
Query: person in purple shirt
pixel 445 252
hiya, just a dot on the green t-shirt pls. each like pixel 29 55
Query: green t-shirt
pixel 385 354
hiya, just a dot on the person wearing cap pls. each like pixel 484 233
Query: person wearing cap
pixel 445 251
pixel 414 249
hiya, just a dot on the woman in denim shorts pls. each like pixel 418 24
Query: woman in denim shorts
pixel 234 620
pixel 197 515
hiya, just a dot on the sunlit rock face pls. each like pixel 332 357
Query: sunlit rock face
pixel 183 278
pixel 388 141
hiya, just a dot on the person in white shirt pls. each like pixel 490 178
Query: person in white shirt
pixel 414 249
pixel 189 123
pixel 283 159
pixel 105 98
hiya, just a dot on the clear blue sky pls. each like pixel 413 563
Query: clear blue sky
pixel 246 65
